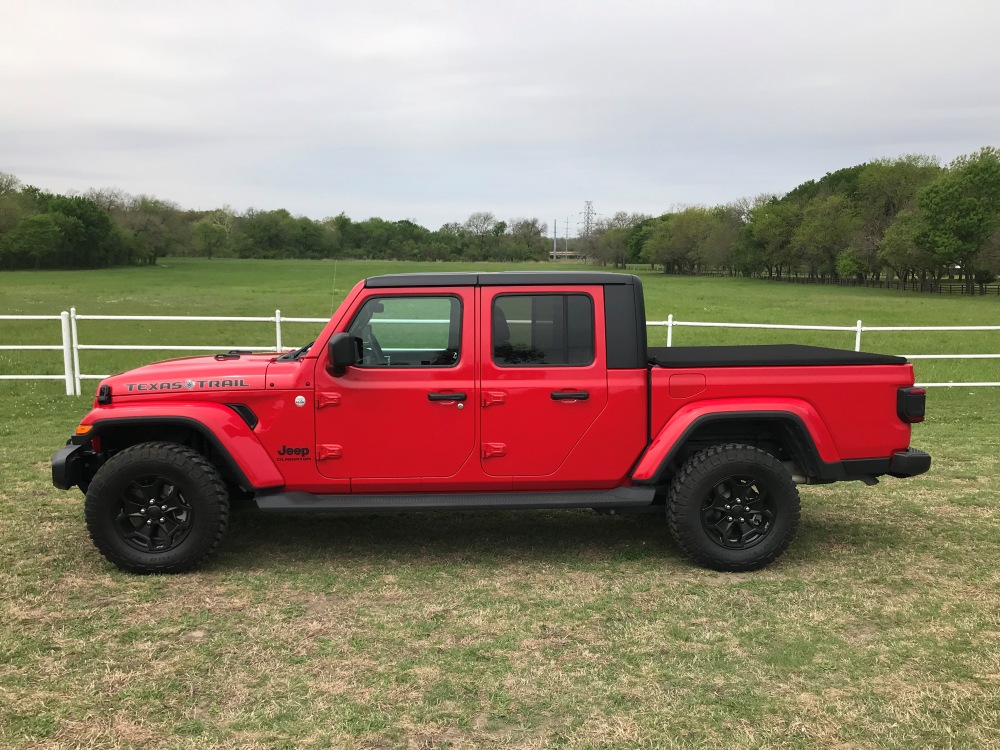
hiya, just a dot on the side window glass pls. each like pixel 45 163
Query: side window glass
pixel 411 331
pixel 543 330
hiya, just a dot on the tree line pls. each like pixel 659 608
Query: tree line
pixel 104 227
pixel 908 218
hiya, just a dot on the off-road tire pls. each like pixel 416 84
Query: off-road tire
pixel 718 475
pixel 195 500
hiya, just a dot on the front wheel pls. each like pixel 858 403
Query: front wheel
pixel 733 507
pixel 157 508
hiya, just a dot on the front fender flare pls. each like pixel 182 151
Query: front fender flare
pixel 653 466
pixel 229 435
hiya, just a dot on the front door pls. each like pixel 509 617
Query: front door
pixel 406 411
pixel 544 376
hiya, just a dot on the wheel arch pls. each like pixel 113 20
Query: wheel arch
pixel 783 433
pixel 247 465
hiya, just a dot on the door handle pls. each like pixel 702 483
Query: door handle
pixel 569 395
pixel 446 396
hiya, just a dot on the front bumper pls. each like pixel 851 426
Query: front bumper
pixel 909 463
pixel 67 466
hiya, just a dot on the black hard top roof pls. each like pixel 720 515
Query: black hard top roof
pixel 501 278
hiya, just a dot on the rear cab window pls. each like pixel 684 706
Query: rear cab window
pixel 543 330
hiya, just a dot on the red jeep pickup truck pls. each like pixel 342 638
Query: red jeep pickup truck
pixel 449 391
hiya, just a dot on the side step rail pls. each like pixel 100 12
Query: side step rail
pixel 621 497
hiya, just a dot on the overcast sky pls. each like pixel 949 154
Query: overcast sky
pixel 432 110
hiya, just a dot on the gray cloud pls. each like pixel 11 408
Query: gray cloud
pixel 436 109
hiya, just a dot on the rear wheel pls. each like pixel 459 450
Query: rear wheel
pixel 157 508
pixel 733 507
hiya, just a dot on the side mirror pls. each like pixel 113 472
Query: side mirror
pixel 343 351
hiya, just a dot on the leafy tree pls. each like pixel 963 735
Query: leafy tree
pixel 9 185
pixel 31 240
pixel 527 237
pixel 848 264
pixel 960 211
pixel 717 249
pixel 456 237
pixel 829 227
pixel 841 182
pixel 989 262
pixel 13 208
pixel 100 242
pixel 266 234
pixel 678 244
pixel 153 228
pixel 498 231
pixel 769 235
pixel 210 239
pixel 480 225
pixel 113 201
pixel 612 245
pixel 621 247
pixel 900 250
pixel 885 188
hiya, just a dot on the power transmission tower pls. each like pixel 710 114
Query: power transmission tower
pixel 587 250
pixel 588 219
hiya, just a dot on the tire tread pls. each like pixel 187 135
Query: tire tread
pixel 685 485
pixel 201 472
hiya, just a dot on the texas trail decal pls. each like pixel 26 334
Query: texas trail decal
pixel 177 385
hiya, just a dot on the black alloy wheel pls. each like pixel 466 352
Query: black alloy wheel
pixel 738 512
pixel 733 507
pixel 153 515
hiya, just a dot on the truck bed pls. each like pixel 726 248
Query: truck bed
pixel 763 355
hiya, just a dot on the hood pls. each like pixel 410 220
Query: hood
pixel 193 374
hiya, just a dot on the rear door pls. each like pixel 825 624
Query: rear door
pixel 543 375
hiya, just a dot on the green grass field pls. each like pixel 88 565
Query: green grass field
pixel 880 628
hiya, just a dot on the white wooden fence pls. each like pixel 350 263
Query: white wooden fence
pixel 71 347
pixel 70 365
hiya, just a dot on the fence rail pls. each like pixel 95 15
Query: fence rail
pixel 71 347
pixel 70 367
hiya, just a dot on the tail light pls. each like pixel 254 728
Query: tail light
pixel 910 404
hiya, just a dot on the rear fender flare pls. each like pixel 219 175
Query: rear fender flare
pixel 815 442
pixel 220 425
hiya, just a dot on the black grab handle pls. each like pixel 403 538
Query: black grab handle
pixel 569 395
pixel 446 397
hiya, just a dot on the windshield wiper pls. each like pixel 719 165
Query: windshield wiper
pixel 291 356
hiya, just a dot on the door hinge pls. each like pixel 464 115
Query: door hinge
pixel 494 450
pixel 491 398
pixel 327 399
pixel 324 452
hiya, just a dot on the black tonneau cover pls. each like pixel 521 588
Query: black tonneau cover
pixel 764 355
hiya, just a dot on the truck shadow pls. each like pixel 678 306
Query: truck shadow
pixel 498 537
pixel 471 536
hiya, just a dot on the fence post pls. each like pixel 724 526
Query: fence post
pixel 277 330
pixel 76 350
pixel 857 338
pixel 670 329
pixel 67 344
